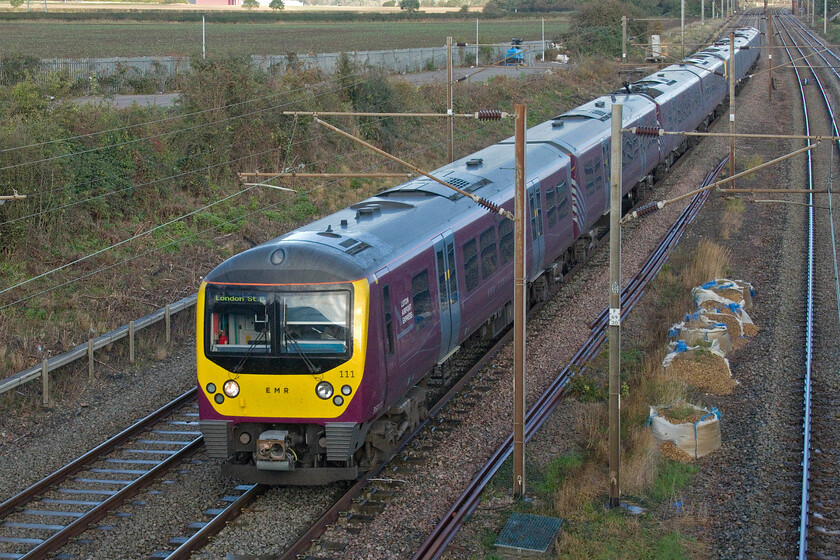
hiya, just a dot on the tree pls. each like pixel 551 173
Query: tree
pixel 250 4
pixel 277 5
pixel 16 3
pixel 410 6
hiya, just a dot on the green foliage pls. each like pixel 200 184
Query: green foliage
pixel 389 4
pixel 39 314
pixel 16 3
pixel 526 6
pixel 735 204
pixel 18 67
pixel 596 27
pixel 673 477
pixel 557 471
pixel 410 6
pixel 276 5
pixel 587 390
pixel 27 99
pixel 249 4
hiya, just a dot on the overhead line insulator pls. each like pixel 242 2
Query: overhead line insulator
pixel 648 131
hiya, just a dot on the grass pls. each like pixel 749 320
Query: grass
pixel 573 485
pixel 131 39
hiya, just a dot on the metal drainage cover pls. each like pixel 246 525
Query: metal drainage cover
pixel 528 535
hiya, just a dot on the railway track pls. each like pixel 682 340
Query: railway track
pixel 47 515
pixel 368 496
pixel 819 523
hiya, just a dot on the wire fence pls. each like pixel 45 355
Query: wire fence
pixel 98 76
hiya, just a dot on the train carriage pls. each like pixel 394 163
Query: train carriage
pixel 313 349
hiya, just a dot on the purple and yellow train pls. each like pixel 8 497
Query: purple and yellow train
pixel 314 348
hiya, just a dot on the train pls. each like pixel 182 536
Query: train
pixel 315 350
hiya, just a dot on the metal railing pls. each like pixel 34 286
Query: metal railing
pixel 87 350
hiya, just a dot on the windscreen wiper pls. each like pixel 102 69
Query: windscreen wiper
pixel 306 360
pixel 238 367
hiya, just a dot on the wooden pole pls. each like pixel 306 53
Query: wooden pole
pixel 615 308
pixel 450 149
pixel 732 105
pixel 45 383
pixel 519 304
pixel 90 359
pixel 131 341
pixel 167 314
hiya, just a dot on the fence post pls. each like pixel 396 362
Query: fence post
pixel 45 383
pixel 131 341
pixel 90 358
pixel 168 315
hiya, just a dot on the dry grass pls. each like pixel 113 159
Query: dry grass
pixel 581 487
pixel 733 217
pixel 708 263
pixel 639 468
pixel 645 470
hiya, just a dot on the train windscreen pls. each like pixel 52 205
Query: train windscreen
pixel 260 322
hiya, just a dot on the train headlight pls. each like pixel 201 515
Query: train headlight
pixel 231 388
pixel 211 388
pixel 338 400
pixel 324 390
pixel 219 398
pixel 346 390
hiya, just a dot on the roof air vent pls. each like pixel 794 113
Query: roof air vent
pixel 475 162
pixel 557 124
pixel 599 103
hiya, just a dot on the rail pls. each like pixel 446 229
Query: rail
pixel 809 327
pixel 86 350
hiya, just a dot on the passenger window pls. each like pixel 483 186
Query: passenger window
pixel 470 265
pixel 589 176
pixel 506 243
pixel 562 201
pixel 389 325
pixel 422 299
pixel 489 260
pixel 550 202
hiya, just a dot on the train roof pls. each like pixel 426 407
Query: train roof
pixel 361 239
pixel 581 127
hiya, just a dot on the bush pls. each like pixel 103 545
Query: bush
pixel 410 6
pixel 277 5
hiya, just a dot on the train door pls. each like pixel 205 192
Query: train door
pixel 537 233
pixel 448 298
